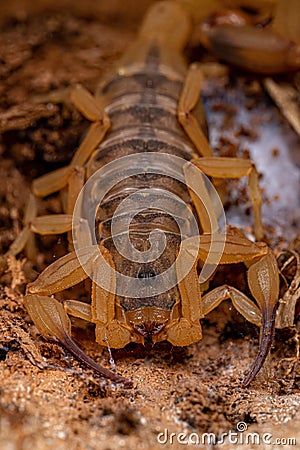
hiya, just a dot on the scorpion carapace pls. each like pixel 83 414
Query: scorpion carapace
pixel 138 194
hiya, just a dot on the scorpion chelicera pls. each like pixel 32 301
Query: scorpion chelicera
pixel 148 139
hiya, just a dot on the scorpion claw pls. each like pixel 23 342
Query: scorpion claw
pixel 51 319
pixel 263 280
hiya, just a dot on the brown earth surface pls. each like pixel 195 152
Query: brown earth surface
pixel 47 399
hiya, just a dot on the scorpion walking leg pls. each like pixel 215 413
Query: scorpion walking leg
pixel 222 167
pixel 25 237
pixel 49 315
pixel 204 205
pixel 230 248
pixel 189 99
pixel 48 224
pixel 90 107
pixel 286 98
pixel 72 175
pixel 75 184
pixel 287 304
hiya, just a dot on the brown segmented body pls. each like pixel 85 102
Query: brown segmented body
pixel 141 99
pixel 142 106
pixel 149 105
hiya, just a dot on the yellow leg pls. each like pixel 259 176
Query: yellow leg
pixel 26 237
pixel 236 168
pixel 286 98
pixel 72 175
pixel 51 182
pixel 75 184
pixel 234 249
pixel 204 205
pixel 189 99
pixel 66 272
pixel 52 224
pixel 286 19
pixel 92 110
pixel 287 305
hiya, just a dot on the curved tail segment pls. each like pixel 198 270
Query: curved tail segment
pixel 267 45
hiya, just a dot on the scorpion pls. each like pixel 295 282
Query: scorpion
pixel 148 113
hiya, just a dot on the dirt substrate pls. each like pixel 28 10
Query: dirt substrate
pixel 47 399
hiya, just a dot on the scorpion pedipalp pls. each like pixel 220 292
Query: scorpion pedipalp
pixel 52 321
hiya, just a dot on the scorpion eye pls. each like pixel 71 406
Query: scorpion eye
pixel 145 273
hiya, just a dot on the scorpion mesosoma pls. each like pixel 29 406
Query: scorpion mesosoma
pixel 151 103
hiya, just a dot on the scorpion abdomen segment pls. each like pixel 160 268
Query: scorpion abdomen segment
pixel 142 106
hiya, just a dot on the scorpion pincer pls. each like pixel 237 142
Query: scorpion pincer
pixel 147 118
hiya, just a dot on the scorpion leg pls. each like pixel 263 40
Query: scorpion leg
pixel 230 248
pixel 193 124
pixel 72 175
pixel 186 329
pixel 75 184
pixel 25 237
pixel 286 19
pixel 287 304
pixel 204 205
pixel 48 314
pixel 91 108
pixel 29 216
pixel 66 272
pixel 236 168
pixel 286 98
pixel 51 224
pixel 48 224
pixel 51 182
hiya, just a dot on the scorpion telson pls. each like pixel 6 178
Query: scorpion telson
pixel 138 194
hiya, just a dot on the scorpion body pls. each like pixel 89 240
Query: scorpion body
pixel 142 98
pixel 150 104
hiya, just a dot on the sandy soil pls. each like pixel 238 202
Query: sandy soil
pixel 47 399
